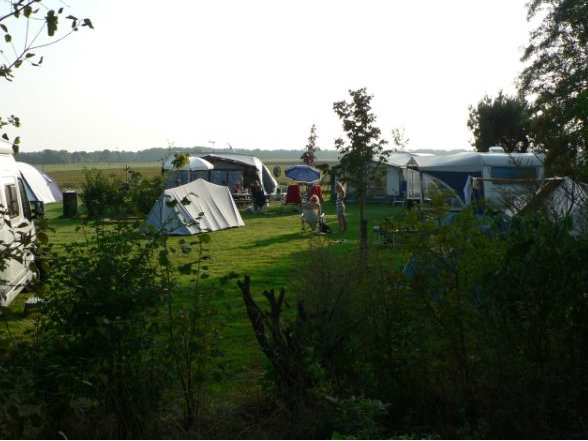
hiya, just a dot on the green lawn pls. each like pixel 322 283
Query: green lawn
pixel 270 249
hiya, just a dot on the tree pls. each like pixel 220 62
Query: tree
pixel 502 121
pixel 36 32
pixel 399 139
pixel 308 157
pixel 364 147
pixel 556 81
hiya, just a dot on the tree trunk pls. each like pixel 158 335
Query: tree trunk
pixel 363 239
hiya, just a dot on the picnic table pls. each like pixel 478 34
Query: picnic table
pixel 242 198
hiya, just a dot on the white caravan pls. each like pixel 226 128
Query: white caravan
pixel 16 229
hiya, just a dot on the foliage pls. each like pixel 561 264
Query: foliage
pixel 309 155
pixel 363 147
pixel 142 193
pixel 35 26
pixel 93 359
pixel 482 333
pixel 31 11
pixel 101 196
pixel 105 196
pixel 180 159
pixel 399 138
pixel 14 121
pixel 114 344
pixel 502 121
pixel 189 328
pixel 357 418
pixel 556 80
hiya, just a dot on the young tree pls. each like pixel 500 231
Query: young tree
pixel 502 121
pixel 364 150
pixel 36 25
pixel 308 157
pixel 556 79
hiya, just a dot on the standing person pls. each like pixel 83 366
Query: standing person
pixel 340 205
pixel 258 197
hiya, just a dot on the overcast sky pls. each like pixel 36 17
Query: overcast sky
pixel 258 74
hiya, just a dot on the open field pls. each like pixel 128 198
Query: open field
pixel 71 176
pixel 51 168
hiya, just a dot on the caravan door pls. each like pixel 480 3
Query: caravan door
pixel 17 231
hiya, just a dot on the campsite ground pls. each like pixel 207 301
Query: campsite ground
pixel 271 249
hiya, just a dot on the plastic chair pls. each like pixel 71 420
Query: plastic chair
pixel 293 195
pixel 316 189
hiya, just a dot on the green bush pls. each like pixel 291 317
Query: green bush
pixel 102 196
pixel 99 372
pixel 143 193
pixel 483 333
pixel 108 196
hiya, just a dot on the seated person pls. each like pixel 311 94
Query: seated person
pixel 312 213
pixel 237 188
pixel 314 202
pixel 316 190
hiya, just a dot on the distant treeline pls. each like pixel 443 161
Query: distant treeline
pixel 160 153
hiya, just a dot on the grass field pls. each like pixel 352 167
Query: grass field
pixel 271 249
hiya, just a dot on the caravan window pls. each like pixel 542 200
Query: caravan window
pixel 26 208
pixel 11 201
pixel 196 174
pixel 218 177
pixel 514 172
pixel 235 178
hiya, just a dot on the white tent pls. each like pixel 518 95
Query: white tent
pixel 42 186
pixel 559 197
pixel 196 207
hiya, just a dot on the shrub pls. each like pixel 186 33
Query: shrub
pixel 483 334
pixel 107 196
pixel 143 193
pixel 102 196
pixel 100 371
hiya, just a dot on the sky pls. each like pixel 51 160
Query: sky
pixel 258 74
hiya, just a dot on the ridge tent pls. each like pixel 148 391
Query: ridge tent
pixel 42 187
pixel 178 209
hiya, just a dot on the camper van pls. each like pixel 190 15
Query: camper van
pixel 17 230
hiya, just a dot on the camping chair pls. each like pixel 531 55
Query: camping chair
pixel 293 195
pixel 311 215
pixel 385 234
